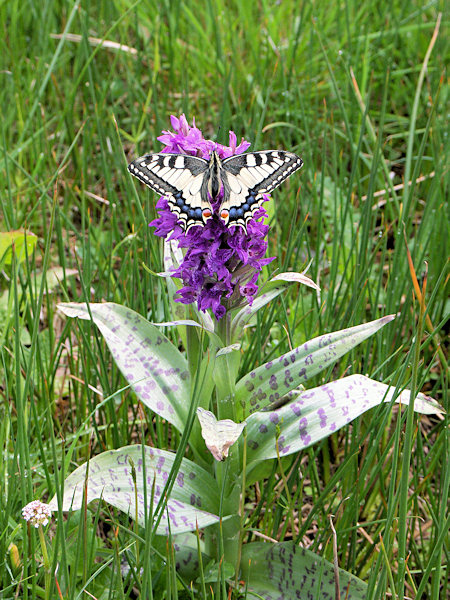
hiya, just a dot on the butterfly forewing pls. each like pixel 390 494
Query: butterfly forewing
pixel 179 178
pixel 248 177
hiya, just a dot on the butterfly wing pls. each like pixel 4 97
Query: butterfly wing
pixel 180 178
pixel 247 177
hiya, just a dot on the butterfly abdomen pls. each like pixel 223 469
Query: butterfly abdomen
pixel 214 173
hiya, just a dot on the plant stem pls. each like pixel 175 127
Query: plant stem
pixel 47 566
pixel 228 472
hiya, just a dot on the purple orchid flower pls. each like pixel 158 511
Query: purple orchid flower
pixel 221 266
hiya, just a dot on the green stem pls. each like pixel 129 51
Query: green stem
pixel 47 566
pixel 228 472
pixel 241 512
pixel 225 372
pixel 223 328
pixel 388 568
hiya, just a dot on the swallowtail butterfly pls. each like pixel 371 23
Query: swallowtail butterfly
pixel 188 182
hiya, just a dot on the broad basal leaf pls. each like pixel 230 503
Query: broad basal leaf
pixel 319 412
pixel 285 571
pixel 153 366
pixel 271 381
pixel 193 500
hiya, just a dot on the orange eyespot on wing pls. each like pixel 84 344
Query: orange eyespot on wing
pixel 224 215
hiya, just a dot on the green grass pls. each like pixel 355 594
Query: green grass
pixel 350 87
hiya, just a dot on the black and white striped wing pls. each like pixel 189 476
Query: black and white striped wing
pixel 180 178
pixel 248 177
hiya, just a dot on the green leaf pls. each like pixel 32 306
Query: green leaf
pixel 284 571
pixel 273 380
pixel 193 501
pixel 317 413
pixel 24 243
pixel 215 570
pixel 151 364
pixel 186 546
pixel 77 526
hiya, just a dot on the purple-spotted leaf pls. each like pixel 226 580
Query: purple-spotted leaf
pixel 317 413
pixel 273 380
pixel 187 555
pixel 193 501
pixel 283 571
pixel 271 290
pixel 154 367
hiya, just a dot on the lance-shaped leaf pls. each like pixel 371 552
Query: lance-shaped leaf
pixel 193 500
pixel 282 571
pixel 271 381
pixel 154 367
pixel 215 339
pixel 319 412
pixel 271 290
pixel 293 277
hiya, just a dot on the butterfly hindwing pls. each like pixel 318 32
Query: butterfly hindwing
pixel 180 178
pixel 248 177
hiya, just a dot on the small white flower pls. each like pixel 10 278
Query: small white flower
pixel 37 513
